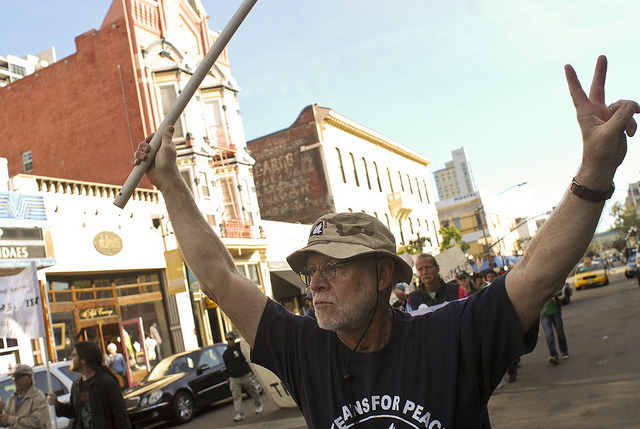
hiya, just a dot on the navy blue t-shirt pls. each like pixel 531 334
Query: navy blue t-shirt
pixel 438 370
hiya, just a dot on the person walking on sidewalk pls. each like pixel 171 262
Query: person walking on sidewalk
pixel 239 373
pixel 552 319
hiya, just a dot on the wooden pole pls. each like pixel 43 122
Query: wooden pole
pixel 179 105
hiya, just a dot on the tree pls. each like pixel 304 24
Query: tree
pixel 450 237
pixel 624 218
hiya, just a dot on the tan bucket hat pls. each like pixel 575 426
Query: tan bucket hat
pixel 349 235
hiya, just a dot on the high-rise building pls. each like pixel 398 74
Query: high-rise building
pixel 13 68
pixel 455 179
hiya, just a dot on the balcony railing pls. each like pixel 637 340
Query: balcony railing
pixel 401 204
pixel 219 140
pixel 236 228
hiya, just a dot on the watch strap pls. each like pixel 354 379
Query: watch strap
pixel 588 194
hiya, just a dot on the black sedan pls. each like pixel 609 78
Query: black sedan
pixel 178 385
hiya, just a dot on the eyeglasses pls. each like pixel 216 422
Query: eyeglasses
pixel 327 270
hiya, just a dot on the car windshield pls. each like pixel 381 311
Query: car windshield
pixel 591 267
pixel 173 365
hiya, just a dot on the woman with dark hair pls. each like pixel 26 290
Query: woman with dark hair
pixel 96 399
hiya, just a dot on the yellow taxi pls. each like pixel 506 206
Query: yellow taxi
pixel 590 274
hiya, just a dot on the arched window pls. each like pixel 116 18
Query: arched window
pixel 344 178
pixel 366 172
pixel 355 170
pixel 377 176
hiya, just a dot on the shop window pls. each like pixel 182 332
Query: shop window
pixel 64 333
pixel 103 289
pixel 59 292
pixel 81 286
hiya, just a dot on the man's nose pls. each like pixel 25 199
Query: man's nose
pixel 317 281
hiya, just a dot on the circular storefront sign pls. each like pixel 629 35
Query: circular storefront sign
pixel 108 243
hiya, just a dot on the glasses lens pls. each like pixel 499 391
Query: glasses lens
pixel 327 270
pixel 305 275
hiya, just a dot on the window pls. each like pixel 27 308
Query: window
pixel 204 184
pixel 40 381
pixel 366 172
pixel 410 225
pixel 214 122
pixel 27 162
pixel 401 184
pixel 426 194
pixel 355 170
pixel 186 176
pixel 387 217
pixel 209 357
pixel 168 96
pixel 229 197
pixel 390 181
pixel 409 182
pixel 377 176
pixel 418 188
pixel 344 177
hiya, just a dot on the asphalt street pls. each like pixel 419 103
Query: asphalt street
pixel 599 386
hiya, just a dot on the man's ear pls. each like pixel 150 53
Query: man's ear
pixel 386 270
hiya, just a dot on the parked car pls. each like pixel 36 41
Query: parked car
pixel 631 268
pixel 61 380
pixel 590 274
pixel 178 386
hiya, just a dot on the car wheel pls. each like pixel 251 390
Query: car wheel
pixel 183 407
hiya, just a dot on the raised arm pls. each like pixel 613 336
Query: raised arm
pixel 564 238
pixel 204 252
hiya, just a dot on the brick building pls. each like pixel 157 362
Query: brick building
pixel 325 162
pixel 80 119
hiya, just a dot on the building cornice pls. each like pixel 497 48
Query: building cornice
pixel 343 124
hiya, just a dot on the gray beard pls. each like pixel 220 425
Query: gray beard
pixel 351 315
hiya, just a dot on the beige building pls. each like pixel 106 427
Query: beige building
pixel 484 226
pixel 325 162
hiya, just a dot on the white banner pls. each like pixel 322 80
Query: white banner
pixel 451 262
pixel 21 304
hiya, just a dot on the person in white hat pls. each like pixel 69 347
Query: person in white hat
pixel 27 406
pixel 363 364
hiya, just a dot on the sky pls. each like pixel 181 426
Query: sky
pixel 433 75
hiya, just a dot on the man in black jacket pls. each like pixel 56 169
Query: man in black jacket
pixel 96 398
pixel 239 373
pixel 434 290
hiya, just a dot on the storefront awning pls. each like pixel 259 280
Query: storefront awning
pixel 284 282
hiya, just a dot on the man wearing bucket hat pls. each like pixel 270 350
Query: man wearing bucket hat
pixel 363 364
pixel 27 406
